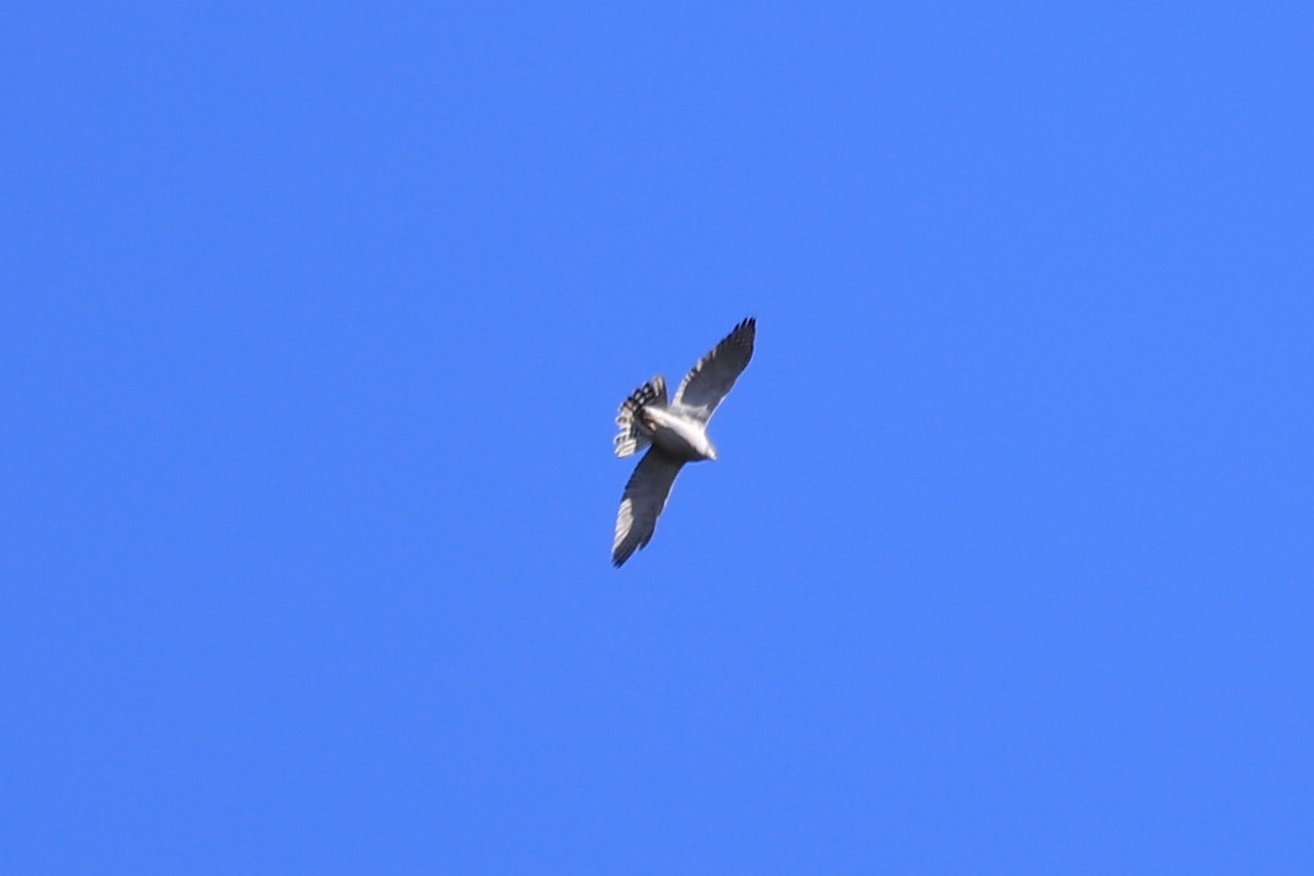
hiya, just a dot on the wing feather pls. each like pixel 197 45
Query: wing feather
pixel 712 378
pixel 645 497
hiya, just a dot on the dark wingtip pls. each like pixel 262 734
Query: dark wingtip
pixel 746 332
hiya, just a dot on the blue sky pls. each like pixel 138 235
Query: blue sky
pixel 316 317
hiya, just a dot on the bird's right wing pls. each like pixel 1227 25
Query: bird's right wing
pixel 645 497
pixel 715 374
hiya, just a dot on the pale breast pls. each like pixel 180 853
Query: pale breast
pixel 680 437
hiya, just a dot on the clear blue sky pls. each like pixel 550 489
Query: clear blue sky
pixel 315 318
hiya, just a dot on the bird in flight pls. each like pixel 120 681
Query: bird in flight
pixel 674 432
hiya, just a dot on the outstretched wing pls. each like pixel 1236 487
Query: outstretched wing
pixel 712 378
pixel 644 499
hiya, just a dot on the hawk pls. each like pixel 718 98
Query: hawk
pixel 674 432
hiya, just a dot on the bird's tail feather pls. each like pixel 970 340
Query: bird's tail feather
pixel 633 437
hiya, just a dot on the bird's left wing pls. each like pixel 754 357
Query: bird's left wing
pixel 645 497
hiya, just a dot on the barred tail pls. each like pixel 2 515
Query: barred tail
pixel 633 437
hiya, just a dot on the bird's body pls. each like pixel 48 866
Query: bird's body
pixel 675 433
pixel 678 436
